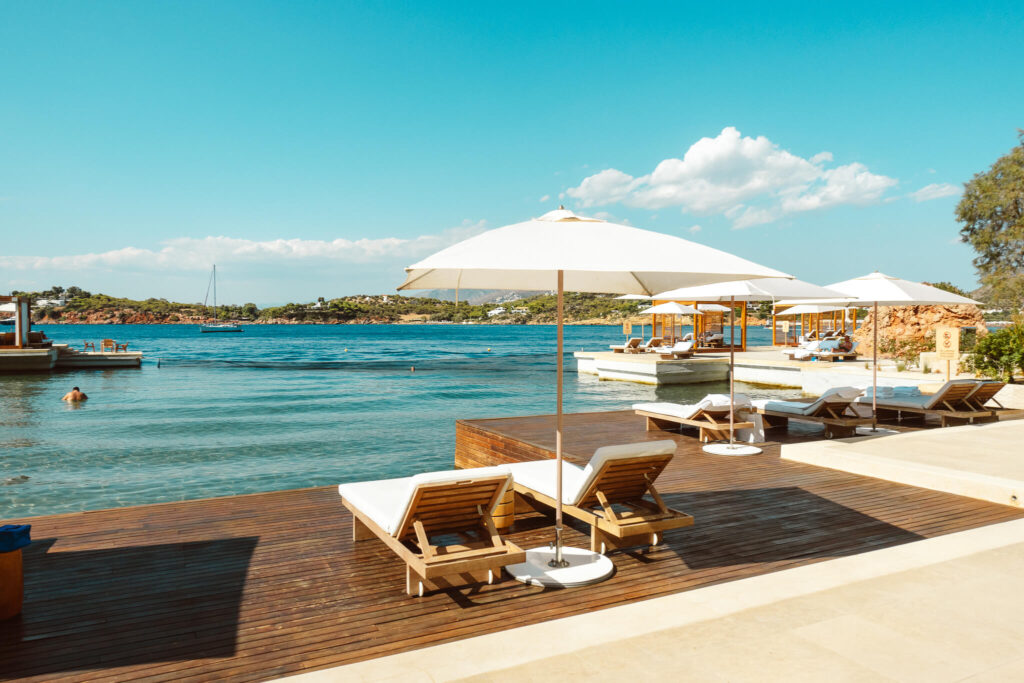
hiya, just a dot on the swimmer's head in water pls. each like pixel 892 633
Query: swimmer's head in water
pixel 75 389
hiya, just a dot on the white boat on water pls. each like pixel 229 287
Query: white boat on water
pixel 216 327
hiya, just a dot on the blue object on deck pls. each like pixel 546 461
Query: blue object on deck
pixel 14 537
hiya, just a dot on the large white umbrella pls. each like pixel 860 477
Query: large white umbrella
pixel 763 289
pixel 563 251
pixel 800 309
pixel 671 308
pixel 668 308
pixel 879 289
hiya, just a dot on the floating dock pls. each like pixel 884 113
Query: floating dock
pixel 62 356
pixel 650 368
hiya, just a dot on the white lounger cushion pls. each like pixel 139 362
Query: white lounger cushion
pixel 926 401
pixel 386 501
pixel 833 395
pixel 539 475
pixel 680 410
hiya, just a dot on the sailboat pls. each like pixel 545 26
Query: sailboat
pixel 216 327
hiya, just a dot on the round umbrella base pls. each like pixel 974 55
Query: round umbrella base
pixel 730 449
pixel 877 431
pixel 585 567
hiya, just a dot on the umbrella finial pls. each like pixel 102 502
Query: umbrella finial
pixel 561 207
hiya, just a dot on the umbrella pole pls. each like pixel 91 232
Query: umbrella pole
pixel 557 560
pixel 732 368
pixel 874 374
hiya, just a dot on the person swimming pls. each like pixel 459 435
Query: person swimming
pixel 74 395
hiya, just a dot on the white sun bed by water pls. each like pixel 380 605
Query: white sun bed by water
pixel 406 513
pixel 710 415
pixel 615 476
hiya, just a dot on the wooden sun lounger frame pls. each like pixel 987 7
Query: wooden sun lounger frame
pixel 838 417
pixel 713 424
pixel 629 347
pixel 673 355
pixel 446 508
pixel 652 343
pixel 955 408
pixel 987 392
pixel 622 482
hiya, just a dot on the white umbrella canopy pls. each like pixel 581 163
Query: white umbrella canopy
pixel 671 308
pixel 842 302
pixel 634 297
pixel 713 308
pixel 761 289
pixel 800 309
pixel 879 289
pixel 595 256
pixel 885 290
pixel 562 251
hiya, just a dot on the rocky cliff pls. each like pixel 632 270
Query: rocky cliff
pixel 915 323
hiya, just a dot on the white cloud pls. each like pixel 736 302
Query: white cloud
pixel 545 198
pixel 935 191
pixel 694 229
pixel 189 253
pixel 749 180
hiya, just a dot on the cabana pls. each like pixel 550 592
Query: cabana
pixel 813 319
pixel 670 313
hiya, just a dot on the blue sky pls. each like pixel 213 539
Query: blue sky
pixel 314 149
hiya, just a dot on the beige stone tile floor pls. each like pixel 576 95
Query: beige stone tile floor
pixel 942 609
pixel 981 461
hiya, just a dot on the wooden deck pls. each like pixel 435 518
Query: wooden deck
pixel 258 586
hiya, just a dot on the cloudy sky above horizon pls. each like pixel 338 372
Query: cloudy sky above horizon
pixel 315 150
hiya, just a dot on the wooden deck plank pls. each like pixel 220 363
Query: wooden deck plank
pixel 258 586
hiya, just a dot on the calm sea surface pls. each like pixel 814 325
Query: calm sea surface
pixel 281 406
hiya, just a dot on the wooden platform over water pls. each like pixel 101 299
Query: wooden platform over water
pixel 258 586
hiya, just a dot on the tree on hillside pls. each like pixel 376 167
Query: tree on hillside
pixel 992 211
pixel 949 287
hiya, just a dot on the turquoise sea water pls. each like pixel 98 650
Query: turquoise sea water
pixel 281 406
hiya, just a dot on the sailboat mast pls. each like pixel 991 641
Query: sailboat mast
pixel 214 292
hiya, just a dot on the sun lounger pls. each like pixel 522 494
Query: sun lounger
pixel 628 347
pixel 653 343
pixel 407 513
pixel 984 392
pixel 88 345
pixel 714 340
pixel 681 349
pixel 710 416
pixel 950 403
pixel 838 354
pixel 832 409
pixel 826 349
pixel 608 494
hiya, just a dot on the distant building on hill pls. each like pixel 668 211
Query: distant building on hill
pixel 496 311
pixel 43 303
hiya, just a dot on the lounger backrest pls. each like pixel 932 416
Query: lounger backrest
pixel 986 391
pixel 835 398
pixel 633 342
pixel 682 346
pixel 953 393
pixel 446 502
pixel 623 472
